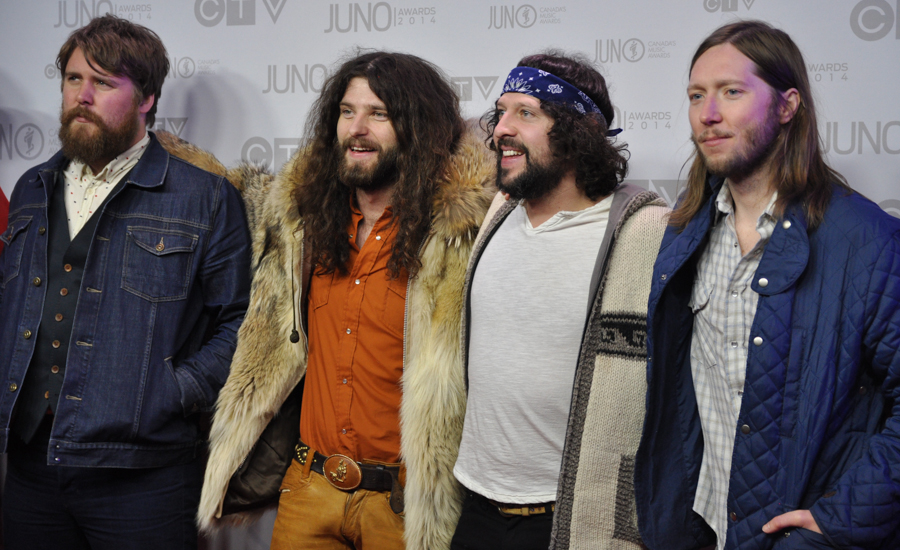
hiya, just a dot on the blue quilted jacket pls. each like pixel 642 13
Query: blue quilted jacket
pixel 819 425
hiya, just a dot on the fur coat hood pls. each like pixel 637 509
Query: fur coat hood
pixel 267 366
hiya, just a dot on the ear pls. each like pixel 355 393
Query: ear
pixel 790 102
pixel 145 104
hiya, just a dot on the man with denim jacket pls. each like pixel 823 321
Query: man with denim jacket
pixel 124 279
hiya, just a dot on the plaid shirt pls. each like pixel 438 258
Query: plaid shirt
pixel 724 306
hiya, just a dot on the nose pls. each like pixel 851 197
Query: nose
pixel 709 111
pixel 85 95
pixel 503 128
pixel 358 126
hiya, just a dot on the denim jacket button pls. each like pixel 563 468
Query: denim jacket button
pixel 27 334
pixel 36 281
pixel 42 230
pixel 13 387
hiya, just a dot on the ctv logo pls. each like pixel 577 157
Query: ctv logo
pixel 239 12
pixel 872 20
pixel 725 5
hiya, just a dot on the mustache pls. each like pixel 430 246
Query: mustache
pixel 79 111
pixel 712 133
pixel 510 142
pixel 360 142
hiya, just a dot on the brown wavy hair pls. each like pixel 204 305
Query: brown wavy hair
pixel 801 174
pixel 424 111
pixel 579 140
pixel 121 48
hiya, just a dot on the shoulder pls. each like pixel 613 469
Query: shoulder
pixel 857 220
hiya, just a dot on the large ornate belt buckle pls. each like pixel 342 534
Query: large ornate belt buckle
pixel 342 472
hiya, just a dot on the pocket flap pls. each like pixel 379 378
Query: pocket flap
pixel 160 243
pixel 14 228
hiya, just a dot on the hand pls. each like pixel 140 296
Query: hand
pixel 797 518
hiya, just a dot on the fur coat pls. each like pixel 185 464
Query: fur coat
pixel 267 366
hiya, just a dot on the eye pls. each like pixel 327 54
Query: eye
pixel 526 113
pixel 695 97
pixel 732 92
pixel 346 113
pixel 380 115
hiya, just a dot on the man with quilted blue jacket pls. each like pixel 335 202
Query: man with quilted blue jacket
pixel 773 403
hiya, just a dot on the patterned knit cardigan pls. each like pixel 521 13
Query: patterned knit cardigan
pixel 595 506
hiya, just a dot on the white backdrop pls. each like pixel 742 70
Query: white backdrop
pixel 244 72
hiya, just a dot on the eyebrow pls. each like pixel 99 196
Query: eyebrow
pixel 369 106
pixel 719 84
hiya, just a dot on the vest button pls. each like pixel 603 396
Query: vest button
pixel 37 281
pixel 67 268
pixel 58 317
pixel 757 341
pixel 733 516
pixel 54 369
pixel 47 394
pixel 745 429
pixel 42 230
pixel 55 344
pixel 13 387
pixel 27 334
pixel 64 292
pixel 763 282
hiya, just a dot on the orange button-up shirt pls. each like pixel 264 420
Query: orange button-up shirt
pixel 351 398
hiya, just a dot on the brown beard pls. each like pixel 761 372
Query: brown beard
pixel 757 152
pixel 382 174
pixel 536 181
pixel 101 145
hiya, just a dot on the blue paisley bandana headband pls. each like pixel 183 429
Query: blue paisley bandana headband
pixel 547 87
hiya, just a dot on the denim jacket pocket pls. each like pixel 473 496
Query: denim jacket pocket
pixel 157 263
pixel 14 243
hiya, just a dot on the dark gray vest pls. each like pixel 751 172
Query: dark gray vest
pixel 65 265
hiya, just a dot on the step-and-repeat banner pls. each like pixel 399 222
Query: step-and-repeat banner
pixel 244 72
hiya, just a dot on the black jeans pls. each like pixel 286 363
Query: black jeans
pixel 67 508
pixel 482 527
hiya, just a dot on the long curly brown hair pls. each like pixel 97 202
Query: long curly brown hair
pixel 579 140
pixel 424 111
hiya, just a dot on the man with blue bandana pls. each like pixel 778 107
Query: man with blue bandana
pixel 555 321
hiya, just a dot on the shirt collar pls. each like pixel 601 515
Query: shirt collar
pixel 725 206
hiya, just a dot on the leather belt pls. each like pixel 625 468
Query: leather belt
pixel 346 474
pixel 509 510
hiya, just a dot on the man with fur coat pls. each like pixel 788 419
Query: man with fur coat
pixel 556 307
pixel 351 340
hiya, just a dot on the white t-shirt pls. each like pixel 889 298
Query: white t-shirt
pixel 529 303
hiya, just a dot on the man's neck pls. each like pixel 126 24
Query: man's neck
pixel 751 196
pixel 566 197
pixel 371 205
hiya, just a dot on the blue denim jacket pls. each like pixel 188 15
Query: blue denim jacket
pixel 154 330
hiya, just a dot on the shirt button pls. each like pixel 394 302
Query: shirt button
pixel 763 282
pixel 42 230
pixel 663 277
pixel 345 380
pixel 64 292
pixel 377 237
pixel 357 281
pixel 58 316
pixel 862 390
pixel 27 334
pixel 55 344
pixel 745 429
pixel 37 281
pixel 54 369
pixel 734 344
pixel 734 294
pixel 786 224
pixel 348 331
pixel 757 341
pixel 733 516
pixel 13 387
pixel 67 268
pixel 343 431
pixel 47 394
